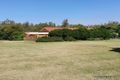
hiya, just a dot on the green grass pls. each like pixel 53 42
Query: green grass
pixel 80 60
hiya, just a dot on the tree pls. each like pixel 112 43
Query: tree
pixel 64 33
pixel 81 33
pixel 51 24
pixel 101 33
pixel 7 22
pixel 77 25
pixel 11 32
pixel 65 23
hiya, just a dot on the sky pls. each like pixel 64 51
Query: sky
pixel 87 12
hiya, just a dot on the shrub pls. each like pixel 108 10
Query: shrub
pixel 119 33
pixel 80 34
pixel 101 33
pixel 49 39
pixel 66 33
pixel 60 33
pixel 20 36
pixel 63 33
pixel 11 33
pixel 69 39
pixel 98 33
pixel 55 33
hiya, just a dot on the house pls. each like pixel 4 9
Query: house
pixel 34 35
pixel 43 33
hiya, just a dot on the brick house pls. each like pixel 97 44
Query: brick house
pixel 43 33
pixel 34 35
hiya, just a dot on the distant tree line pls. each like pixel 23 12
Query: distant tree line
pixel 10 30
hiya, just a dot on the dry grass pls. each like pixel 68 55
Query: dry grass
pixel 82 60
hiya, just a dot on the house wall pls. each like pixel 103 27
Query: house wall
pixel 39 36
pixel 30 37
pixel 34 36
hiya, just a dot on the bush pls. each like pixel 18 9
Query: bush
pixel 69 39
pixel 11 33
pixel 71 35
pixel 80 34
pixel 49 39
pixel 19 36
pixel 56 33
pixel 98 33
pixel 101 33
pixel 61 33
pixel 66 33
pixel 119 33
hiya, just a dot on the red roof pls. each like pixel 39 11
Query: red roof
pixel 48 29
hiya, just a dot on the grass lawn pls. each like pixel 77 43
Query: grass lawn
pixel 81 60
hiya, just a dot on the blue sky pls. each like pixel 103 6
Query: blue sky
pixel 77 11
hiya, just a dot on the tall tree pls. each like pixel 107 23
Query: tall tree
pixel 51 24
pixel 65 23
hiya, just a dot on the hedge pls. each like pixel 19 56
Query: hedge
pixel 49 39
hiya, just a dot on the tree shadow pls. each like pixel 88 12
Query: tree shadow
pixel 116 50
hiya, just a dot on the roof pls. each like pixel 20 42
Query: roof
pixel 37 33
pixel 48 29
